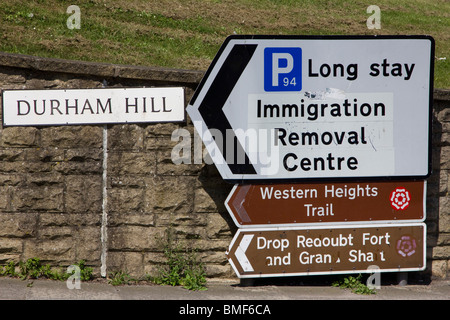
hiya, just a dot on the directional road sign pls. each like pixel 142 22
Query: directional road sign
pixel 297 107
pixel 275 205
pixel 272 252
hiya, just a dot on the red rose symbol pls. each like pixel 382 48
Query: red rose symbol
pixel 400 199
pixel 406 246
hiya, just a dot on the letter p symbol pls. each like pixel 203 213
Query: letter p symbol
pixel 282 69
pixel 277 68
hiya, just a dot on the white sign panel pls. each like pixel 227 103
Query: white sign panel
pixel 92 106
pixel 318 107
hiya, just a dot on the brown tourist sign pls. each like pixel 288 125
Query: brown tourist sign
pixel 301 203
pixel 316 250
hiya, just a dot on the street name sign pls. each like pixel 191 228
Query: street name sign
pixel 252 205
pixel 273 252
pixel 318 107
pixel 92 106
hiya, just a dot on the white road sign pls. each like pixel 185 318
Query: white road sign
pixel 92 106
pixel 296 108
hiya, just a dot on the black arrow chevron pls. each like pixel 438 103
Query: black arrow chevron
pixel 211 108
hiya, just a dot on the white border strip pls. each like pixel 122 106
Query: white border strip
pixel 104 230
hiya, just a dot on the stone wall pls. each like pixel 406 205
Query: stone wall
pixel 65 197
pixel 438 195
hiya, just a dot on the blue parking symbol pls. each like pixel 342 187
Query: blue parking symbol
pixel 282 69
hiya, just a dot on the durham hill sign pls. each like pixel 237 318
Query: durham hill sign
pixel 92 106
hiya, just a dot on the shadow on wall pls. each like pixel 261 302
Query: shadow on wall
pixel 218 190
pixel 437 191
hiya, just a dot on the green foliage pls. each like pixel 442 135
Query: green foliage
pixel 8 270
pixel 85 272
pixel 182 266
pixel 120 278
pixel 355 284
pixel 194 279
pixel 33 269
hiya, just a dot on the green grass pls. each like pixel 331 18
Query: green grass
pixel 187 34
